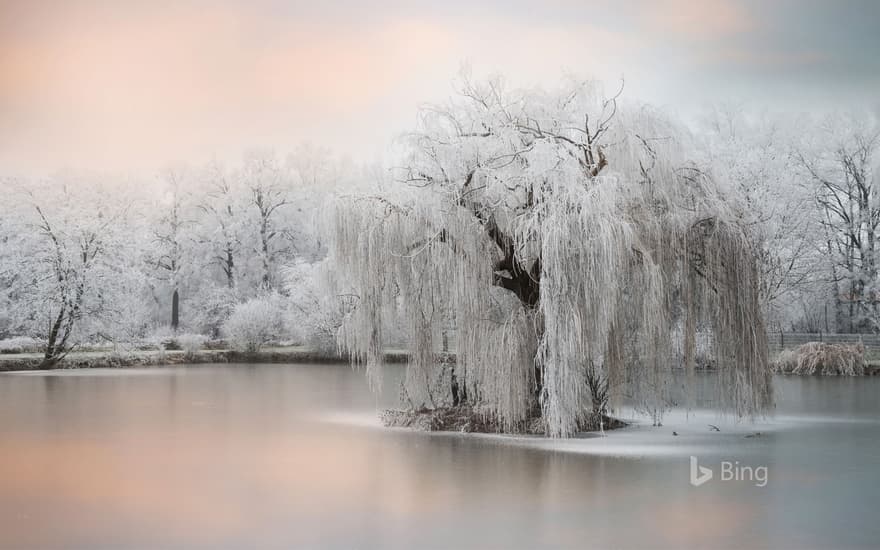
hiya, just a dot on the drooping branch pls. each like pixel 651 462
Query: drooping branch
pixel 503 194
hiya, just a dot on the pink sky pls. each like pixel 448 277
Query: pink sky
pixel 135 85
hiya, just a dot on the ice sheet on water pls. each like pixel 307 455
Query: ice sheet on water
pixel 696 435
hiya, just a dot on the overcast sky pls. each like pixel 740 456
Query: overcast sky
pixel 116 85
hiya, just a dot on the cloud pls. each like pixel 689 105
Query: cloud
pixel 698 19
pixel 757 59
pixel 130 89
pixel 170 82
pixel 119 85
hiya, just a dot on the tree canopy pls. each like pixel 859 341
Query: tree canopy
pixel 566 235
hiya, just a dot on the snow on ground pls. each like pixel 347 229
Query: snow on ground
pixel 681 434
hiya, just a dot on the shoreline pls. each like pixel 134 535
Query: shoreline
pixel 153 358
pixel 284 354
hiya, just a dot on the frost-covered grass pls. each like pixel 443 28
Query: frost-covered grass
pixel 161 357
pixel 824 359
pixel 191 343
pixel 21 344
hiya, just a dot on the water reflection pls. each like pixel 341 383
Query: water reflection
pixel 240 456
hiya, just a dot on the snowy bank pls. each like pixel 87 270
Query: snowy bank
pixel 111 359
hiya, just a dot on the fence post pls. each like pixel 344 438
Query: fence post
pixel 820 336
pixel 781 340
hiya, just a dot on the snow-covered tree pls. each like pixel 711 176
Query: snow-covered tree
pixel 169 255
pixel 8 274
pixel 753 153
pixel 269 187
pixel 843 160
pixel 67 270
pixel 566 235
pixel 208 307
pixel 314 166
pixel 222 226
pixel 316 311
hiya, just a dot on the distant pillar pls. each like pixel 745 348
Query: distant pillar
pixel 175 310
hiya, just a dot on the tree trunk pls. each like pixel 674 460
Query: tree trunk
pixel 539 368
pixel 175 310
pixel 264 251
pixel 230 268
pixel 50 357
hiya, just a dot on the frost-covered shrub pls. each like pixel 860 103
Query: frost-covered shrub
pixel 124 349
pixel 216 344
pixel 21 344
pixel 825 359
pixel 786 361
pixel 161 338
pixel 191 343
pixel 206 311
pixel 315 312
pixel 129 319
pixel 255 323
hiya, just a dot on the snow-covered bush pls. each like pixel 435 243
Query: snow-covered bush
pixel 316 312
pixel 191 343
pixel 255 323
pixel 825 359
pixel 161 338
pixel 207 310
pixel 786 361
pixel 319 304
pixel 21 344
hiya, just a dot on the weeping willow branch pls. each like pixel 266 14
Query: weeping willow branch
pixel 553 274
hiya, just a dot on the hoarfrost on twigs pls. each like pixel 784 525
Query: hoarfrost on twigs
pixel 559 232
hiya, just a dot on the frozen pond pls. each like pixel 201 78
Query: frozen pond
pixel 280 456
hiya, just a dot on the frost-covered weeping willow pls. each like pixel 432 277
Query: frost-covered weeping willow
pixel 563 235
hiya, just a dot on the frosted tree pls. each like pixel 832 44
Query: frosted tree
pixel 8 258
pixel 316 173
pixel 268 184
pixel 222 228
pixel 317 309
pixel 171 238
pixel 68 268
pixel 314 166
pixel 753 152
pixel 842 162
pixel 567 237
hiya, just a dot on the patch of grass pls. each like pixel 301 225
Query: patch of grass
pixel 823 359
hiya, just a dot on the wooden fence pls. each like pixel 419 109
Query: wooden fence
pixel 788 340
pixel 778 340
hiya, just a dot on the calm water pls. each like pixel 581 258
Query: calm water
pixel 287 456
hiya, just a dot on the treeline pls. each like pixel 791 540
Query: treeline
pixel 809 189
pixel 92 259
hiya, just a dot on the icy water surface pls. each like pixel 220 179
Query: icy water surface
pixel 282 456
